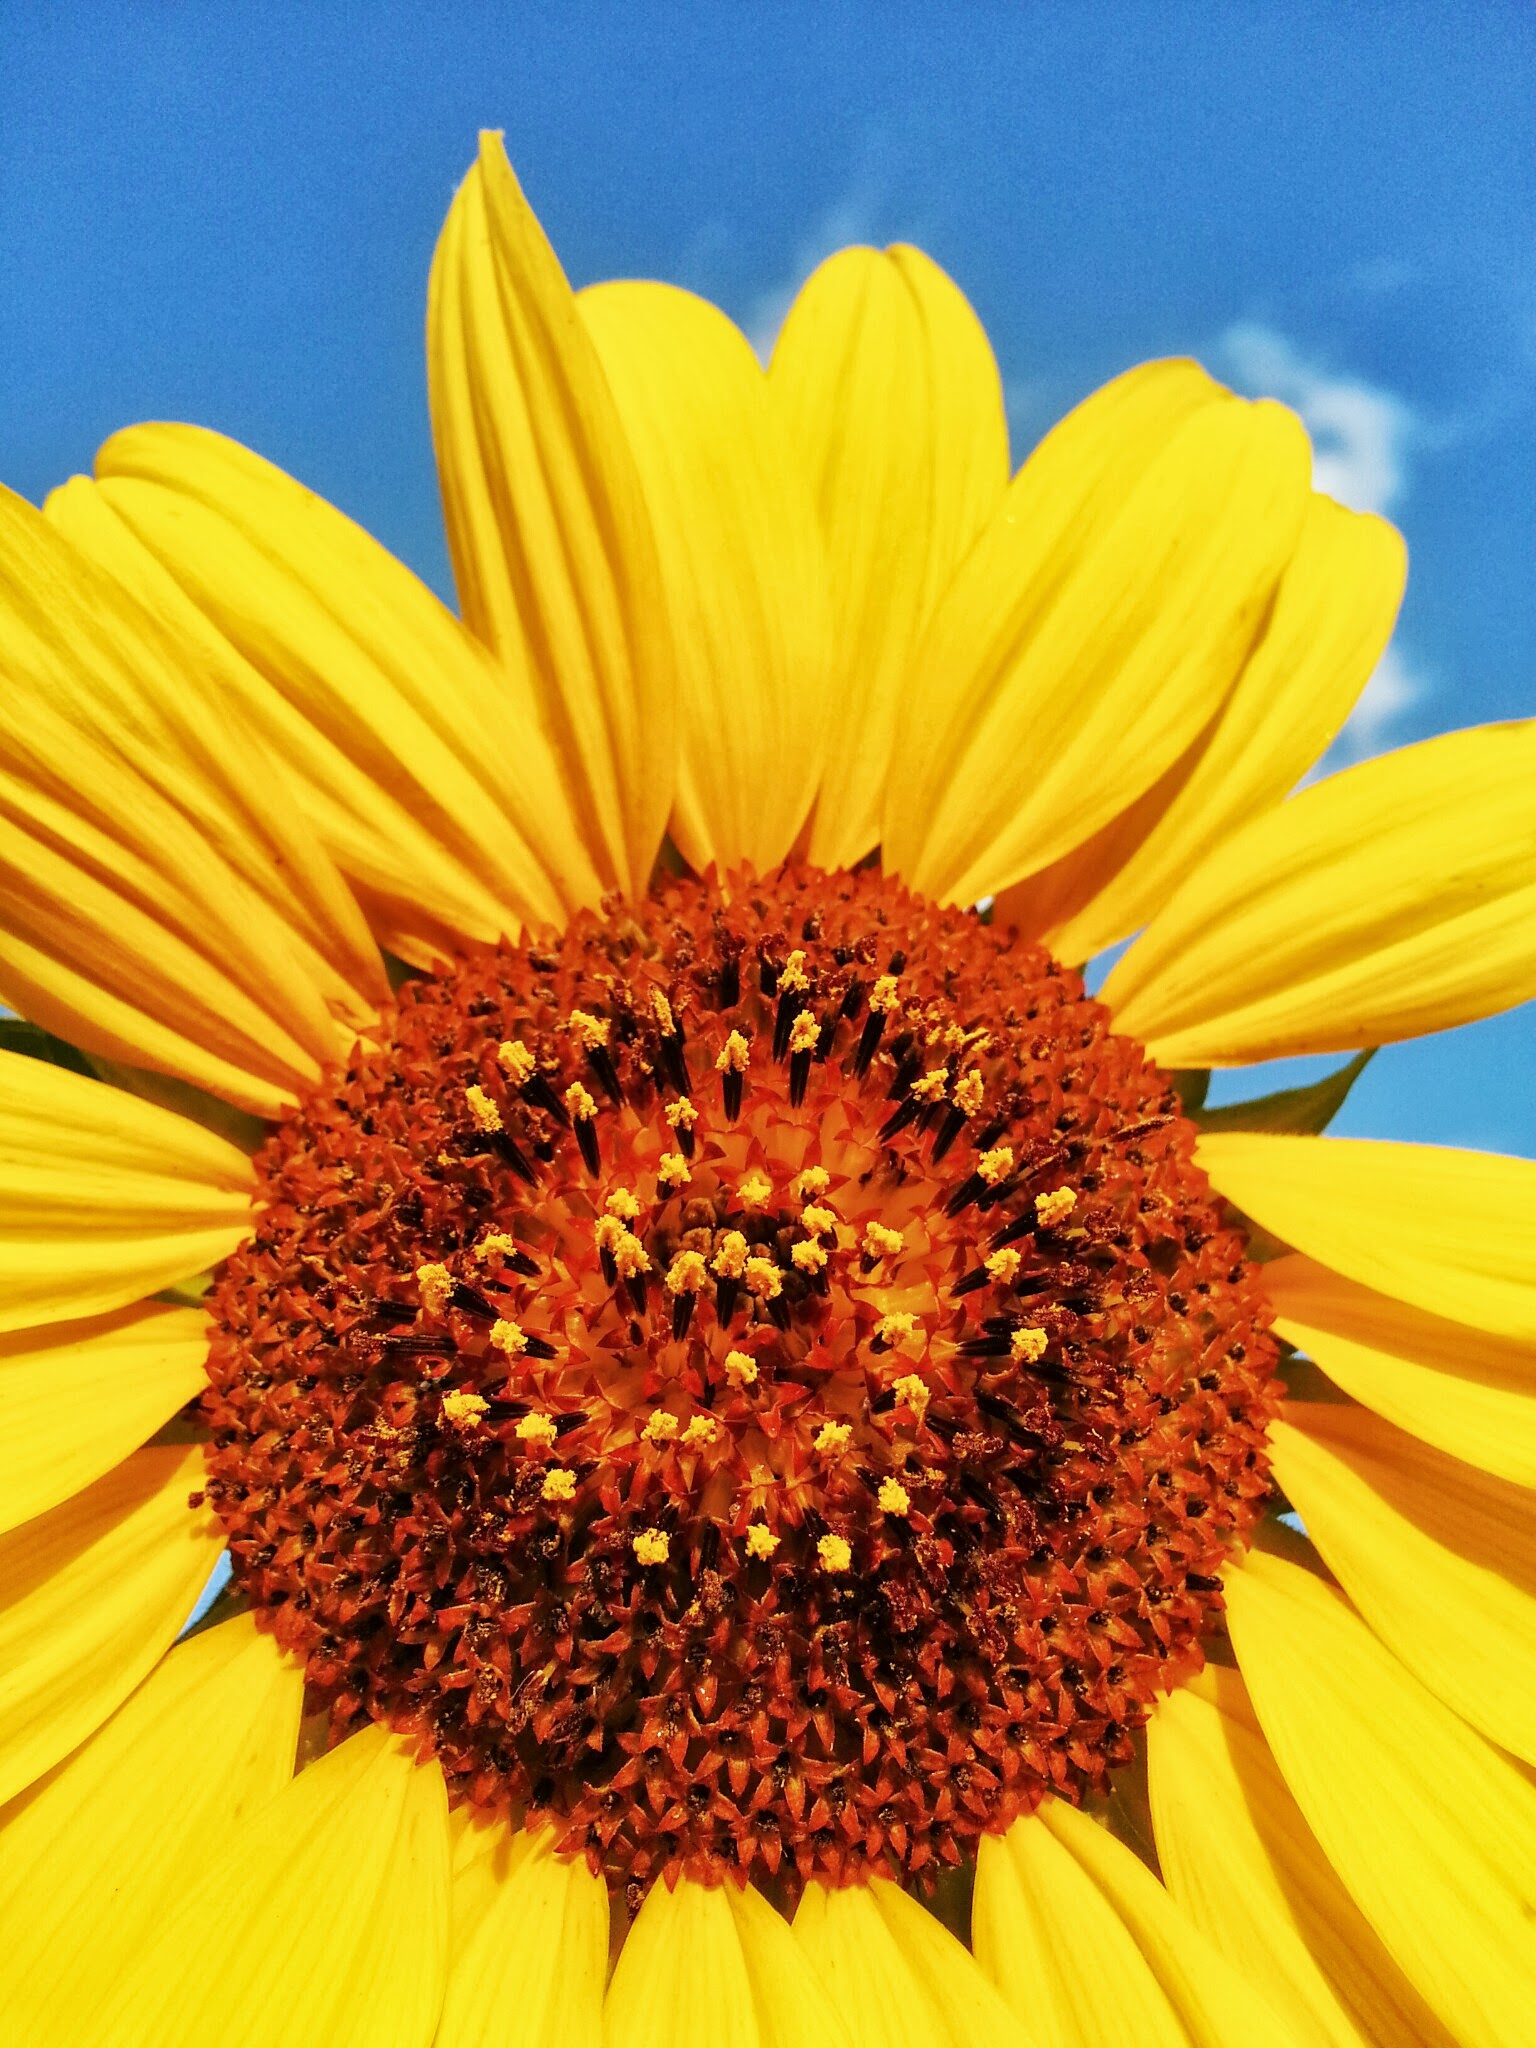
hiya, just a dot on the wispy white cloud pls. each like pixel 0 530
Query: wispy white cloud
pixel 850 218
pixel 1363 440
pixel 1362 434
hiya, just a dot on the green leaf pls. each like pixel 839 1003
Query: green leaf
pixel 214 1114
pixel 16 1035
pixel 1190 1085
pixel 1294 1110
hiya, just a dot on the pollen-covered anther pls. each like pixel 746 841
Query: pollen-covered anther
pixel 651 1546
pixel 536 1429
pixel 996 1164
pixel 911 1390
pixel 730 1260
pixel 496 1244
pixel 893 1497
pixel 434 1283
pixel 623 1204
pixel 818 1221
pixel 661 1427
pixel 740 1368
pixel 831 1440
pixel 881 1242
pixel 672 1172
pixel 1055 1207
pixel 559 1484
pixel 761 1541
pixel 485 1113
pixel 808 1255
pixel 1003 1266
pixel 509 1337
pixel 630 1256
pixel 589 1032
pixel 661 1010
pixel 1027 1345
pixel 810 1183
pixel 755 1191
pixel 734 1056
pixel 763 1278
pixel 803 1033
pixel 835 1553
pixel 517 1061
pixel 463 1409
pixel 885 994
pixel 681 1115
pixel 970 1093
pixel 932 1086
pixel 793 979
pixel 702 1429
pixel 580 1102
pixel 897 1328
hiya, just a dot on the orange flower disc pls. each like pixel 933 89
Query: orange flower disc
pixel 756 1382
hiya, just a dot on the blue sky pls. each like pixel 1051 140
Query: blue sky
pixel 226 214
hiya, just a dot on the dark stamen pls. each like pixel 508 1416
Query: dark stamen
pixel 586 1138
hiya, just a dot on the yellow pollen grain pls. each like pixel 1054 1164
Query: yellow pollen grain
pixel 970 1091
pixel 932 1087
pixel 1055 1207
pixel 809 1256
pixel 686 1274
pixel 508 1337
pixel 733 1055
pixel 912 1392
pixel 831 1440
pixel 1003 1266
pixel 672 1171
pixel 517 1061
pixel 580 1103
pixel 631 1256
pixel 804 1032
pixel 588 1031
pixel 896 1328
pixel 608 1230
pixel 763 1279
pixel 817 1221
pixel 482 1109
pixel 884 995
pixel 995 1165
pixel 661 1010
pixel 622 1203
pixel 730 1259
pixel 792 976
pixel 1028 1345
pixel 810 1182
pixel 651 1546
pixel 881 1242
pixel 834 1553
pixel 755 1191
pixel 703 1429
pixel 740 1368
pixel 761 1541
pixel 894 1497
pixel 435 1284
pixel 496 1244
pixel 681 1115
pixel 537 1429
pixel 463 1409
pixel 661 1428
pixel 559 1484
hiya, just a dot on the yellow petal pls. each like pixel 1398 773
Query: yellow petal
pixel 1217 2003
pixel 1439 1558
pixel 1059 1952
pixel 1469 1394
pixel 93 1858
pixel 889 1978
pixel 1452 1232
pixel 155 907
pixel 420 766
pixel 104 1197
pixel 1396 898
pixel 681 1980
pixel 534 1967
pixel 1432 1832
pixel 742 562
pixel 1332 617
pixel 77 1398
pixel 1093 630
pixel 1242 1863
pixel 324 1920
pixel 91 1594
pixel 887 386
pixel 552 545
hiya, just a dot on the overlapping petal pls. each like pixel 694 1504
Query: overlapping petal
pixel 896 1975
pixel 887 387
pixel 743 566
pixel 1094 629
pixel 104 1197
pixel 77 1397
pixel 1452 1232
pixel 324 1919
pixel 1396 898
pixel 422 768
pixel 91 1594
pixel 162 902
pixel 552 543
pixel 1431 1831
pixel 92 1859
pixel 532 1966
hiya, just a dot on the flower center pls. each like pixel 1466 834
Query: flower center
pixel 755 1381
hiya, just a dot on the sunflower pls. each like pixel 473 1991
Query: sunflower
pixel 745 1408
